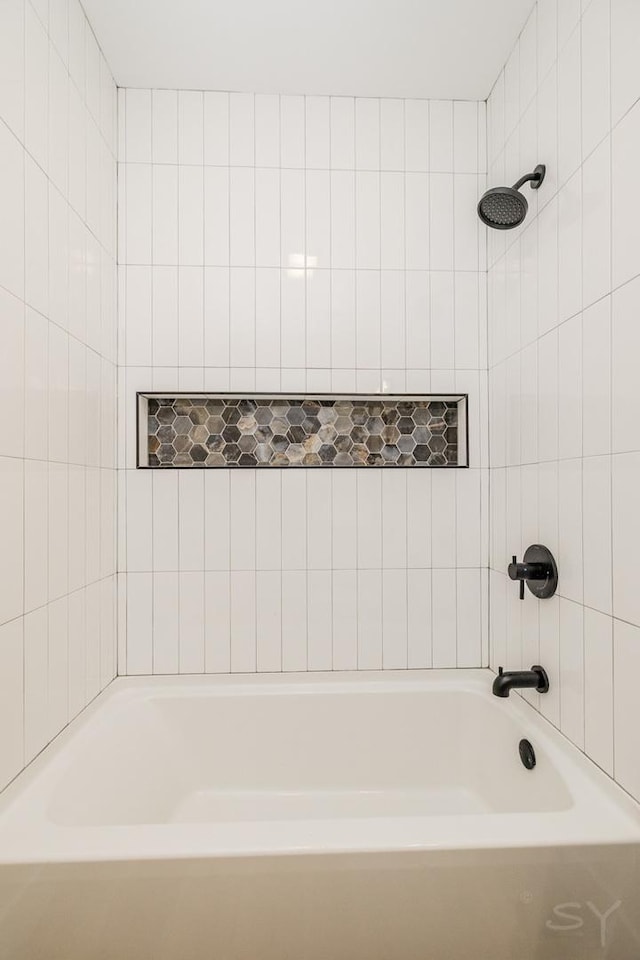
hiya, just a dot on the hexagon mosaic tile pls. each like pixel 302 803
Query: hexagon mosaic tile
pixel 219 431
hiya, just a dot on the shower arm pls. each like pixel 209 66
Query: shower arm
pixel 536 178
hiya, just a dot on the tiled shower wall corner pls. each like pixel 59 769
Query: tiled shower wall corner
pixel 303 245
pixel 57 373
pixel 564 342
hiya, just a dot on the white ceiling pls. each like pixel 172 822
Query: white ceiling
pixel 449 49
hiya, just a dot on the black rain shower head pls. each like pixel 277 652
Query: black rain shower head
pixel 504 208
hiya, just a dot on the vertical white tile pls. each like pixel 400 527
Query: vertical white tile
pixel 596 73
pixel 165 521
pixel 269 621
pixel 625 341
pixel 549 626
pixel 267 130
pixel 465 136
pixel 343 319
pixel 268 520
pixel 216 520
pixel 443 519
pixel 164 119
pixel 626 524
pixel 292 146
pixel 443 605
pixel 596 378
pixel 12 203
pixel 596 224
pixel 242 317
pixel 36 238
pixel 417 221
pixel 12 66
pixel 294 523
pixel 569 108
pixel 58 666
pixel 392 153
pixel 419 519
pixel 345 619
pixel 11 564
pixel 441 221
pixel 319 620
pixel 243 622
pixel 77 651
pixel 11 702
pixel 139 655
pixel 191 520
pixel 626 658
pixel 317 125
pixel 343 224
pixel 625 71
pixel 368 319
pixel 319 524
pixel 419 637
pixel 598 688
pixel 369 519
pixel 216 128
pixel 292 222
pixel 547 36
pixel 344 520
pixel 190 215
pixel 192 622
pixel 441 135
pixel 318 221
pixel 394 518
pixel 392 221
pixel 35 534
pixel 318 320
pixel 294 620
pixel 267 218
pixel 242 503
pixel 242 217
pixel 293 319
pixel 548 397
pixel 596 488
pixel 367 134
pixel 394 619
pixel 36 683
pixel 241 129
pixel 36 77
pixel 468 618
pixel 392 319
pixel 570 388
pixel 190 127
pixel 165 214
pixel 572 671
pixel 370 643
pixel 217 622
pixel 570 547
pixel 166 623
pixel 342 133
pixel 138 126
pixel 416 133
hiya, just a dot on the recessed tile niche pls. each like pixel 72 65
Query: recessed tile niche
pixel 182 431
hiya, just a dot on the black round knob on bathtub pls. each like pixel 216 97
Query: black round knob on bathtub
pixel 527 754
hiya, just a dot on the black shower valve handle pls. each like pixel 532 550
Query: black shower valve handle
pixel 538 569
pixel 514 566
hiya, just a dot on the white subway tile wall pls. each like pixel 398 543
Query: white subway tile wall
pixel 58 287
pixel 564 341
pixel 299 244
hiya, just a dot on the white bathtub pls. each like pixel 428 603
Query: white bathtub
pixel 369 817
